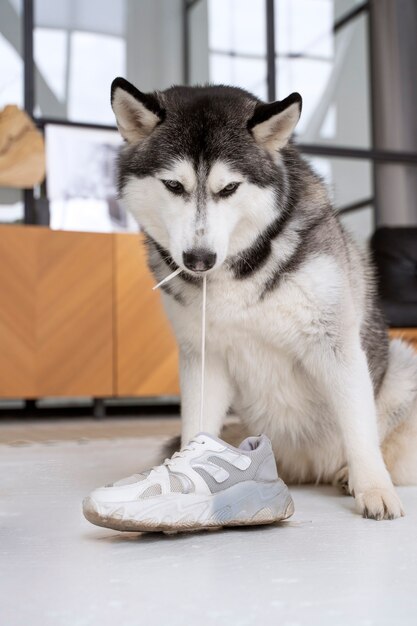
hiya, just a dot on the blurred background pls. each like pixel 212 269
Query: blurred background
pixel 79 327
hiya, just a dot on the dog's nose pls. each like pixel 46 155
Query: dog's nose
pixel 199 259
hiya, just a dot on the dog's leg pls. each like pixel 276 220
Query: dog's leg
pixel 397 414
pixel 348 386
pixel 218 394
pixel 341 480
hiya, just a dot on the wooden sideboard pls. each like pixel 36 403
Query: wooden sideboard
pixel 78 317
pixel 146 361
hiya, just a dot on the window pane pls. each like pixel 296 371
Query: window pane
pixel 242 72
pixel 329 69
pixel 304 26
pixel 310 77
pixel 97 40
pixel 237 44
pixel 11 91
pixel 95 61
pixel 11 65
pixel 238 25
pixel 89 51
pixel 103 16
pixel 338 175
pixel 52 67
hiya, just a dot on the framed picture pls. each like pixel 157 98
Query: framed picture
pixel 81 180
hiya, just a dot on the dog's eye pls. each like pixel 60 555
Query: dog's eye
pixel 174 186
pixel 228 190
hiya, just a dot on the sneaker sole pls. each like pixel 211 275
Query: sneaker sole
pixel 246 504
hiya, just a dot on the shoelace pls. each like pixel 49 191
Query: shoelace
pixel 203 337
pixel 181 454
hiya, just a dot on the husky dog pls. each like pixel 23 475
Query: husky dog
pixel 296 343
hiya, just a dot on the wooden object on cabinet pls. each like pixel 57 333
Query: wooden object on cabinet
pixel 146 352
pixel 22 150
pixel 56 313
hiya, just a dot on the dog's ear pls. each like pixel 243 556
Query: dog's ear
pixel 272 124
pixel 137 114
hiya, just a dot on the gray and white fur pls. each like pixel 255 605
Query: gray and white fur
pixel 296 342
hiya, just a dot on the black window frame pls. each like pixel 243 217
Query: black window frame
pixel 367 154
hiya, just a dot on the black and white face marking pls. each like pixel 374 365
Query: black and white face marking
pixel 201 170
pixel 194 212
pixel 176 187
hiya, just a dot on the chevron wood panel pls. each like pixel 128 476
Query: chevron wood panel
pixel 56 313
pixel 18 261
pixel 146 352
pixel 75 314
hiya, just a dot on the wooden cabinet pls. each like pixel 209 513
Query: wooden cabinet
pixel 78 317
pixel 74 314
pixel 19 249
pixel 146 352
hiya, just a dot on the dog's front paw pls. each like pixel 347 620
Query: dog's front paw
pixel 379 504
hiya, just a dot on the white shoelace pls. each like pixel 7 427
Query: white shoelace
pixel 203 336
pixel 181 454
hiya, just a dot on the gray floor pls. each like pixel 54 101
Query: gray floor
pixel 325 566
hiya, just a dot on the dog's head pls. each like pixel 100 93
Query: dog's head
pixel 201 167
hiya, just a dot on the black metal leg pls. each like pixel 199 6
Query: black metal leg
pixel 99 408
pixel 30 407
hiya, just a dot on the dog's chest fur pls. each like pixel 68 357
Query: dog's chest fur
pixel 263 342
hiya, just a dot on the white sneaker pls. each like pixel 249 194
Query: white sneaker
pixel 207 484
